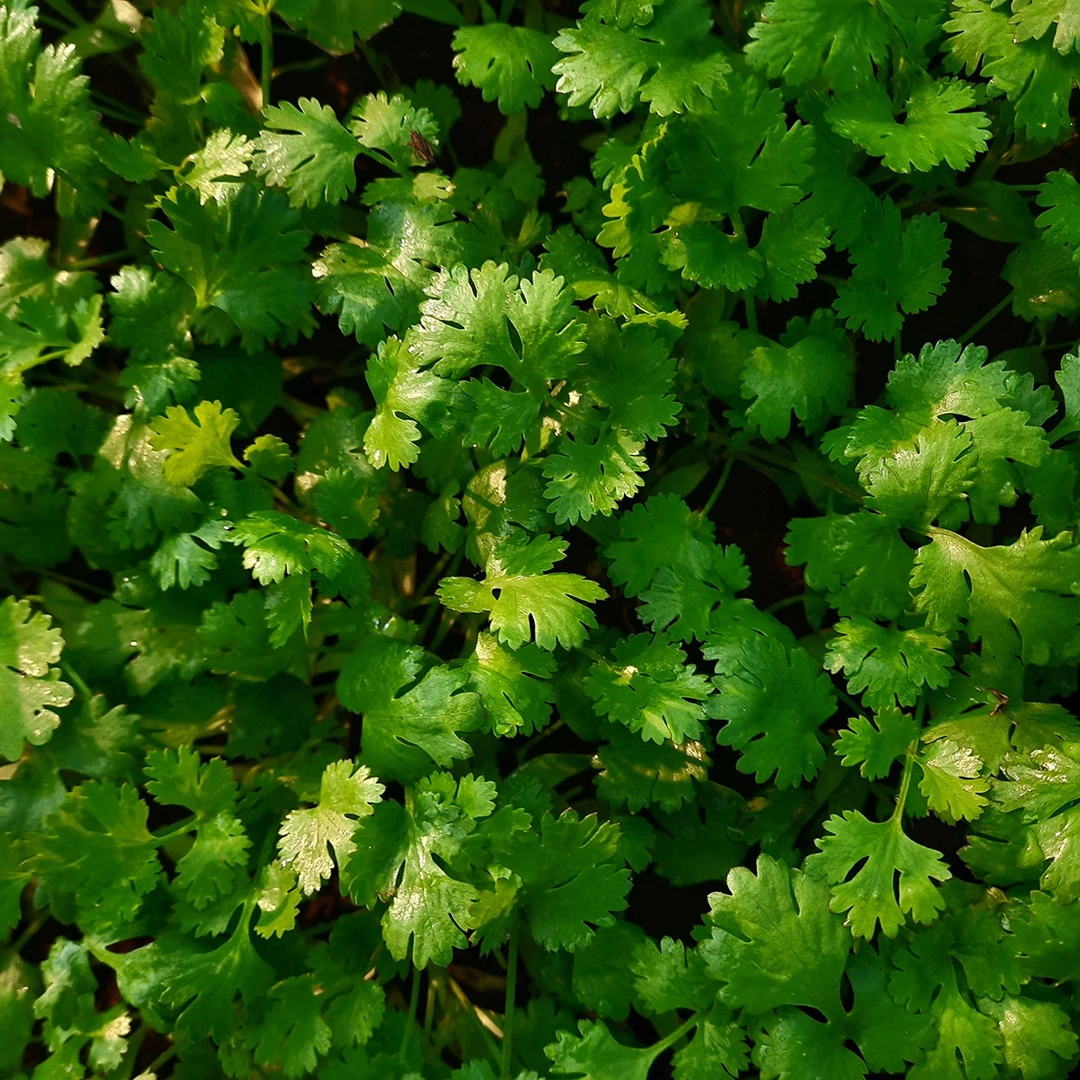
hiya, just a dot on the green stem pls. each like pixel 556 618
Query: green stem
pixel 162 1059
pixel 711 500
pixel 788 601
pixel 23 939
pixel 511 991
pixel 180 829
pixel 505 10
pixel 669 1040
pixel 750 303
pixel 898 350
pixel 266 69
pixel 414 1002
pixel 905 785
pixel 992 314
pixel 99 260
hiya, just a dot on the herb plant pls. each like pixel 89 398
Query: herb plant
pixel 384 688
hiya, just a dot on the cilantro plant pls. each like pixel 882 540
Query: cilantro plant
pixel 539 542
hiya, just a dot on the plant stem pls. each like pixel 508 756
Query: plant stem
pixel 162 1059
pixel 669 1040
pixel 266 69
pixel 414 1002
pixel 511 991
pixel 23 939
pixel 992 314
pixel 711 500
pixel 905 784
pixel 750 303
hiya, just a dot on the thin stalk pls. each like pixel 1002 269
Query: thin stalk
pixel 23 939
pixel 89 264
pixel 414 1002
pixel 898 350
pixel 711 500
pixel 266 68
pixel 506 9
pixel 177 830
pixel 511 991
pixel 162 1059
pixel 905 785
pixel 676 1035
pixel 750 303
pixel 992 314
pixel 788 601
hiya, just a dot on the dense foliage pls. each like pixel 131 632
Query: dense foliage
pixel 384 692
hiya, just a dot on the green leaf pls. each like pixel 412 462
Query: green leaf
pixel 514 687
pixel 384 129
pixel 243 256
pixel 935 128
pixel 899 267
pixel 525 602
pixel 277 544
pixel 1032 18
pixel 648 686
pixel 809 374
pixel 403 395
pixel 773 941
pixel 509 64
pixel 889 665
pixel 307 152
pixel 199 445
pixel 1021 598
pixel 412 716
pixel 798 40
pixel 595 1055
pixel 30 687
pixel 293 1035
pixel 875 744
pixel 670 64
pixel 345 796
pixel 772 700
pixel 51 128
pixel 895 880
pixel 592 477
pixel 952 782
pixel 97 849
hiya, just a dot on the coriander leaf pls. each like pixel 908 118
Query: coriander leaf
pixel 935 127
pixel 899 267
pixel 671 977
pixel 243 256
pixel 588 478
pixel 199 444
pixel 875 744
pixel 345 796
pixel 889 665
pixel 595 1055
pixel 277 544
pixel 510 64
pixel 198 986
pixel 1027 590
pixel 177 48
pixel 384 129
pixel 648 686
pixel 293 1033
pixel 514 687
pixel 636 774
pixel 952 782
pixel 1036 1036
pixel 772 701
pixel 808 373
pixel 97 849
pixel 773 941
pixel 467 321
pixel 895 880
pixel 50 128
pixel 307 152
pixel 1032 74
pixel 219 166
pixel 568 877
pixel 430 905
pixel 800 39
pixel 412 716
pixel 662 532
pixel 1032 18
pixel 670 64
pixel 525 602
pixel 403 394
pixel 334 25
pixel 30 688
